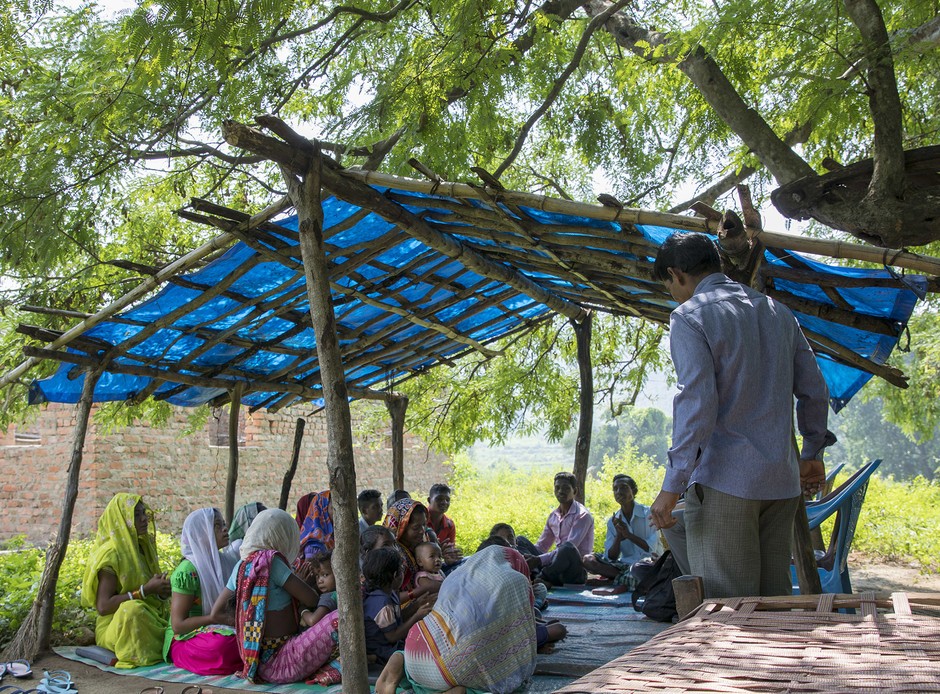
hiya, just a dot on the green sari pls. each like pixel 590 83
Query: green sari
pixel 136 629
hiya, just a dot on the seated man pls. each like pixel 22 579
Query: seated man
pixel 629 537
pixel 443 527
pixel 370 508
pixel 570 529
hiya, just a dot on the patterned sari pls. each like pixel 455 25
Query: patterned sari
pixel 481 632
pixel 316 525
pixel 135 631
pixel 396 520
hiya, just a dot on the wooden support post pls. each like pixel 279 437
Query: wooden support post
pixel 690 591
pixel 32 637
pixel 397 405
pixel 231 480
pixel 292 468
pixel 305 194
pixel 582 450
pixel 803 555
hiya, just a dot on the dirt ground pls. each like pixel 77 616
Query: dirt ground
pixel 89 680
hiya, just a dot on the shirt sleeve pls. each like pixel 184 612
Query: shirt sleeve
pixel 280 572
pixel 545 542
pixel 812 400
pixel 185 580
pixel 232 583
pixel 611 535
pixel 695 406
pixel 328 600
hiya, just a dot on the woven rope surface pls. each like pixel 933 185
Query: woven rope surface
pixel 785 645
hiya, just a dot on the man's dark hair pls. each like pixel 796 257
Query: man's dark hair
pixel 493 540
pixel 630 481
pixel 439 488
pixel 368 495
pixel 691 252
pixel 567 477
pixel 380 566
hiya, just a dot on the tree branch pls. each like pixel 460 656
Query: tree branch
pixel 782 162
pixel 888 177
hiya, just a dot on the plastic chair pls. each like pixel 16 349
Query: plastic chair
pixel 830 479
pixel 846 502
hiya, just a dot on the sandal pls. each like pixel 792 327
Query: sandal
pixel 56 682
pixel 20 669
pixel 152 690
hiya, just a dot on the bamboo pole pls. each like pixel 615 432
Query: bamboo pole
pixel 397 405
pixel 802 244
pixel 582 449
pixel 33 635
pixel 187 262
pixel 340 460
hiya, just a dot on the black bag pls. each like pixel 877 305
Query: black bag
pixel 653 595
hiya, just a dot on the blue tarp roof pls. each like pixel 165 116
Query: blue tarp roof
pixel 402 306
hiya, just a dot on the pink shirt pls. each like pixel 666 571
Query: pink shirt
pixel 576 527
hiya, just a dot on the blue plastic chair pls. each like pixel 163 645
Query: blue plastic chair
pixel 846 502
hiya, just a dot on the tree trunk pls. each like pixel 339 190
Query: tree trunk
pixel 32 637
pixel 231 480
pixel 306 197
pixel 582 450
pixel 397 405
pixel 292 469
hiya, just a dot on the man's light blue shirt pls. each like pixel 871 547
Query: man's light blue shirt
pixel 639 523
pixel 740 359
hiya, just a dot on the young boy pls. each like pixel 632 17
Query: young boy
pixel 443 527
pixel 629 537
pixel 370 508
pixel 570 529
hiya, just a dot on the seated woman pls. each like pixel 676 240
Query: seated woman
pixel 408 519
pixel 272 646
pixel 630 538
pixel 242 520
pixel 489 648
pixel 194 641
pixel 316 524
pixel 124 584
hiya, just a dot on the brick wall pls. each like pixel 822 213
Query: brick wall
pixel 177 474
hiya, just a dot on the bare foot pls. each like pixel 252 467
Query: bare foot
pixel 391 675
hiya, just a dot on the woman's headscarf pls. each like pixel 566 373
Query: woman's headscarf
pixel 303 505
pixel 118 547
pixel 399 515
pixel 316 528
pixel 272 529
pixel 198 544
pixel 243 518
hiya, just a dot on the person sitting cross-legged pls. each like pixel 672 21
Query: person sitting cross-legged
pixel 629 538
pixel 570 529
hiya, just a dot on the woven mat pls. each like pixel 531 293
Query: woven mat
pixel 164 672
pixel 754 644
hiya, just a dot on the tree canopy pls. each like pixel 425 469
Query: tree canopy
pixel 109 123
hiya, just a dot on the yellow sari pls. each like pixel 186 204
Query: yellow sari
pixel 135 631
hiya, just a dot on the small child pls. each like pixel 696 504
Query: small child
pixel 374 537
pixel 429 558
pixel 385 626
pixel 326 584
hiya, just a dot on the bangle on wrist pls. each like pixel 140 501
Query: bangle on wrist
pixel 411 595
pixel 142 593
pixel 130 596
pixel 304 611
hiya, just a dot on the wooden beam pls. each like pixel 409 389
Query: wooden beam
pixel 852 319
pixel 305 194
pixel 833 348
pixel 292 468
pixel 363 195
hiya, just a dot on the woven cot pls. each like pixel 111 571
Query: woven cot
pixel 787 644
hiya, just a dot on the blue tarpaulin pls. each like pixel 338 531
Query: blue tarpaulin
pixel 402 307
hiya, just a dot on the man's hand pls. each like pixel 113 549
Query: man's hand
pixel 661 510
pixel 812 476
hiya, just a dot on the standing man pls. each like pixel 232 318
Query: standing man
pixel 740 359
